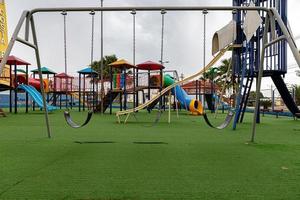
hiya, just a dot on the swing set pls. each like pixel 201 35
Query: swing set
pixel 271 17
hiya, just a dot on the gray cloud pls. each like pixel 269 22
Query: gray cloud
pixel 183 34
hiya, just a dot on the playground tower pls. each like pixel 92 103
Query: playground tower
pixel 246 60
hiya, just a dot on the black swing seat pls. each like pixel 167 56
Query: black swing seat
pixel 71 123
pixel 227 121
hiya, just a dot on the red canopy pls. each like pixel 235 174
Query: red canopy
pixel 63 75
pixel 150 65
pixel 13 60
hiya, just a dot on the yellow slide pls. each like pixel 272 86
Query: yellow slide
pixel 5 75
pixel 165 90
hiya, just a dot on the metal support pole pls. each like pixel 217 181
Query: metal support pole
pixel 10 89
pixel 204 12
pixel 197 85
pixel 150 8
pixel 111 92
pixel 64 13
pixel 133 57
pixel 26 98
pixel 70 93
pixel 48 89
pixel 66 100
pixel 163 12
pixel 16 90
pixel 79 93
pixel 54 89
pixel 137 85
pixel 84 93
pixel 259 77
pixel 27 28
pixel 93 92
pixel 60 95
pixel 169 98
pixel 273 98
pixel 38 61
pixel 92 13
pixel 102 64
pixel 33 102
pixel 125 91
pixel 149 84
pixel 176 103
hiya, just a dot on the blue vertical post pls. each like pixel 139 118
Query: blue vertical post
pixel 238 97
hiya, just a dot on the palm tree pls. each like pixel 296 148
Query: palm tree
pixel 106 61
pixel 223 74
pixel 211 74
pixel 297 94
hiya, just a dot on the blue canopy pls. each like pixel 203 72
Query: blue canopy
pixel 88 70
pixel 45 70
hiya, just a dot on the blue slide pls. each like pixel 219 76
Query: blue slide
pixel 190 104
pixel 194 105
pixel 36 96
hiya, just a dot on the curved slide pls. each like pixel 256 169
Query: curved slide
pixel 165 90
pixel 36 96
pixel 192 105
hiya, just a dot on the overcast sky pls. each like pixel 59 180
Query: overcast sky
pixel 183 33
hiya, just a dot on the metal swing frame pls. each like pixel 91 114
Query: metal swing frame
pixel 27 18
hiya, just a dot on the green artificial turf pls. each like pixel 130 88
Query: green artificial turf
pixel 182 160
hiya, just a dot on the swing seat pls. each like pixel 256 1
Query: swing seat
pixel 227 121
pixel 71 123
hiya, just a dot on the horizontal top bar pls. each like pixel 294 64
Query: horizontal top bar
pixel 149 8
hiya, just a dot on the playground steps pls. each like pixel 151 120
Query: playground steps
pixel 2 113
pixel 244 88
pixel 54 99
pixel 245 97
pixel 107 100
pixel 285 95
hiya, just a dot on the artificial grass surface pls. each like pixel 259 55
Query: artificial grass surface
pixel 182 160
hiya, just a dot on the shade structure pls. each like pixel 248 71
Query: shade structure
pixel 122 64
pixel 45 70
pixel 21 71
pixel 150 65
pixel 63 75
pixel 13 60
pixel 88 70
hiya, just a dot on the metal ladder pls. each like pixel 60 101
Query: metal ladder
pixel 242 88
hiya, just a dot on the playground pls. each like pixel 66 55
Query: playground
pixel 128 123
